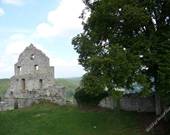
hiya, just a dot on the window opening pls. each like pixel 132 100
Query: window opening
pixel 32 57
pixel 36 67
pixel 23 84
pixel 41 83
pixel 19 68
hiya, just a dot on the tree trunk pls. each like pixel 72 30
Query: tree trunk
pixel 158 109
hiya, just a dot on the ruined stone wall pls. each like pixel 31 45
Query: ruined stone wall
pixel 32 72
pixel 53 96
pixel 130 103
pixel 33 81
pixel 31 59
pixel 139 104
pixel 108 102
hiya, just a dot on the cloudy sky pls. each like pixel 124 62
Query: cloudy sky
pixel 49 24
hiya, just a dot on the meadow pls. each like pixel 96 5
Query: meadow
pixel 49 119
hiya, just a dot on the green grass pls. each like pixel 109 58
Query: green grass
pixel 48 119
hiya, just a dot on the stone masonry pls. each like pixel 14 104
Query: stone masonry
pixel 33 81
pixel 131 102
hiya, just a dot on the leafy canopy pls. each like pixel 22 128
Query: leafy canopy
pixel 125 42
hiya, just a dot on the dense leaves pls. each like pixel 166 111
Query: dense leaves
pixel 86 99
pixel 126 42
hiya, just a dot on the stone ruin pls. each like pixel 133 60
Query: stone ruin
pixel 33 81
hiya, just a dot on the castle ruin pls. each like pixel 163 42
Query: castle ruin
pixel 33 80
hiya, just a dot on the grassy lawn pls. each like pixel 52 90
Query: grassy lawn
pixel 48 119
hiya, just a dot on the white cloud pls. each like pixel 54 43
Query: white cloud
pixel 2 12
pixel 62 20
pixel 9 57
pixel 13 2
pixel 18 42
pixel 13 49
pixel 66 68
pixel 1 63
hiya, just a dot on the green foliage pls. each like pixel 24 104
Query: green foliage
pixel 92 84
pixel 126 42
pixel 117 95
pixel 88 99
pixel 48 119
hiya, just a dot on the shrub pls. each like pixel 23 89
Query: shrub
pixel 87 99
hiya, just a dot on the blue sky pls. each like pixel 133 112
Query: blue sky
pixel 49 24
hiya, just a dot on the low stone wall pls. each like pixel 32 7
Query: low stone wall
pixel 139 104
pixel 4 106
pixel 108 102
pixel 131 103
pixel 127 103
pixel 12 103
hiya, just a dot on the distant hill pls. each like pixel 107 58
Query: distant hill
pixel 70 85
pixel 4 84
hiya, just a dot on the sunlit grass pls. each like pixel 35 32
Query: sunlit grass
pixel 48 119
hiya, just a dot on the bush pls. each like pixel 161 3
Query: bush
pixel 86 99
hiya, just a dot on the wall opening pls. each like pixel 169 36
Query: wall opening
pixel 11 93
pixel 23 84
pixel 19 68
pixel 36 67
pixel 16 104
pixel 40 83
pixel 32 57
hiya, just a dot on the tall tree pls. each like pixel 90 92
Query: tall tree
pixel 126 42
